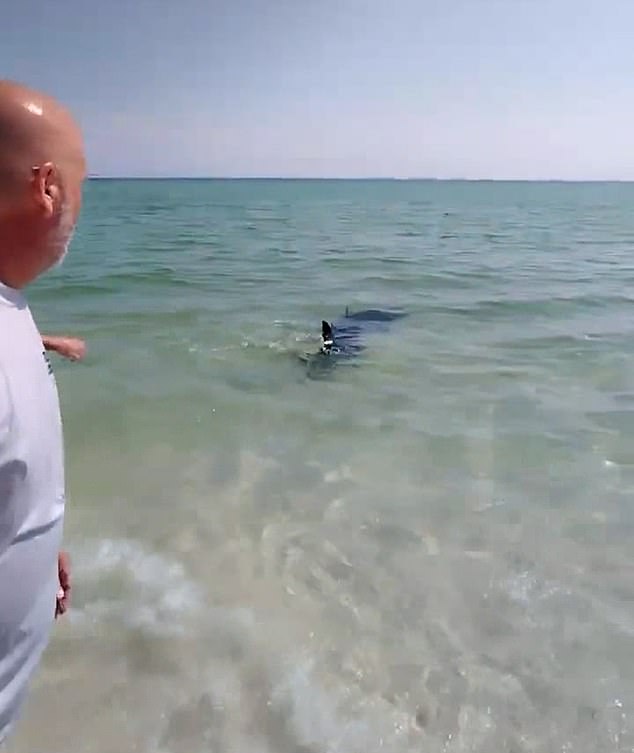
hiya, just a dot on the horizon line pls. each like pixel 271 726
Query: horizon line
pixel 359 179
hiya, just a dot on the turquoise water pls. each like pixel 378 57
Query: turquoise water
pixel 428 550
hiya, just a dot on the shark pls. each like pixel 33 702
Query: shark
pixel 344 338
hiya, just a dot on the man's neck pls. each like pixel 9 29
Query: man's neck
pixel 9 280
pixel 16 242
pixel 10 274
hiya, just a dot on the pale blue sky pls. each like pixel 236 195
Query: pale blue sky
pixel 445 88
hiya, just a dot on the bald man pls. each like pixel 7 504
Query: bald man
pixel 42 169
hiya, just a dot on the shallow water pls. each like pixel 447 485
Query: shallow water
pixel 428 550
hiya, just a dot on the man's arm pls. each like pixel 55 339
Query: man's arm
pixel 68 347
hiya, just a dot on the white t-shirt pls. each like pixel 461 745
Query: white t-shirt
pixel 31 501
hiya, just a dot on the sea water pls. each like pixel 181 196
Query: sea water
pixel 429 549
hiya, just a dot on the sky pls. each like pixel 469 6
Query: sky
pixel 502 89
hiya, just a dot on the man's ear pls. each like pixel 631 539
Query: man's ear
pixel 46 188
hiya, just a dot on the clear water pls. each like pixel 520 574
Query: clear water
pixel 427 550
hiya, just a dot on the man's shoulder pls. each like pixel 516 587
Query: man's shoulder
pixel 18 333
pixel 16 323
pixel 23 364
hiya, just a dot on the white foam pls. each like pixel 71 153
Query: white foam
pixel 339 719
pixel 154 593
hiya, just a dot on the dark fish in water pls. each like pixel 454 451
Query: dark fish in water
pixel 344 339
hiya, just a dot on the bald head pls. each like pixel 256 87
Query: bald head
pixel 41 172
pixel 34 129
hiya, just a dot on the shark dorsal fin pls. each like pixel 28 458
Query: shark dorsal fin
pixel 326 331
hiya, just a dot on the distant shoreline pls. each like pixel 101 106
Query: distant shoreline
pixel 355 180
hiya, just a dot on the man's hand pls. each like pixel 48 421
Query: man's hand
pixel 63 593
pixel 68 347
